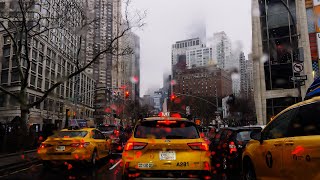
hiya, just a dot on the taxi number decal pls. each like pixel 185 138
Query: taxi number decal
pixel 183 164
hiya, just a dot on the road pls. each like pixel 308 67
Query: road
pixel 107 168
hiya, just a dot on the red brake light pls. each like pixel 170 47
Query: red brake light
pixel 232 147
pixel 199 146
pixel 135 146
pixel 80 145
pixel 167 122
pixel 43 145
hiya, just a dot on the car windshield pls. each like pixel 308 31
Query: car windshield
pixel 70 134
pixel 176 130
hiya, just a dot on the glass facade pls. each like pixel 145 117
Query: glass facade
pixel 280 44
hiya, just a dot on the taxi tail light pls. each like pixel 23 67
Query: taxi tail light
pixel 43 145
pixel 135 146
pixel 206 166
pixel 232 147
pixel 199 146
pixel 80 145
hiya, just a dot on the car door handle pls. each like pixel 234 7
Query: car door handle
pixel 289 143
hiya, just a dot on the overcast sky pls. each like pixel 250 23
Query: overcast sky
pixel 169 21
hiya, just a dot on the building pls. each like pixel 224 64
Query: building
pixel 203 81
pixel 199 57
pixel 107 18
pixel 246 76
pixel 157 100
pixel 222 51
pixel 129 67
pixel 52 56
pixel 179 49
pixel 273 55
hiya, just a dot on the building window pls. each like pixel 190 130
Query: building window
pixel 38 106
pixel 6 52
pixel 5 62
pixel 4 77
pixel 6 40
pixel 3 100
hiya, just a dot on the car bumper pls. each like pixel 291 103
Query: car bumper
pixel 78 155
pixel 169 174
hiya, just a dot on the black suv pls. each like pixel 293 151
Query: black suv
pixel 227 147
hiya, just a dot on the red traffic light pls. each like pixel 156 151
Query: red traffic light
pixel 127 94
pixel 172 97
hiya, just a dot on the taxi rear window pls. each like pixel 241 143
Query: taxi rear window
pixel 107 128
pixel 70 134
pixel 172 130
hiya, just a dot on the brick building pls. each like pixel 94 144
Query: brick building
pixel 207 81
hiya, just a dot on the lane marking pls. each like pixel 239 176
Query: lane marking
pixel 15 172
pixel 116 164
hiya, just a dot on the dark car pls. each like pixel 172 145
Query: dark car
pixel 227 147
pixel 115 134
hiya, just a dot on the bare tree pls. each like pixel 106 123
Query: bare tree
pixel 25 20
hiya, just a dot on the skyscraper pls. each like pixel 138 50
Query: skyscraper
pixel 104 26
pixel 179 49
pixel 221 45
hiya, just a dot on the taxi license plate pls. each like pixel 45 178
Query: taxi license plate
pixel 145 165
pixel 167 155
pixel 60 148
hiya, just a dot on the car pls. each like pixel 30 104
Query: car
pixel 74 145
pixel 166 147
pixel 115 133
pixel 108 130
pixel 288 147
pixel 227 147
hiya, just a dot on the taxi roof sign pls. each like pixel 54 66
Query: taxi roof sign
pixel 164 114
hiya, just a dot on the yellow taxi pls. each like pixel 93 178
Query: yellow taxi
pixel 73 144
pixel 288 147
pixel 166 147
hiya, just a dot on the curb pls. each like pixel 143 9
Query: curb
pixel 18 153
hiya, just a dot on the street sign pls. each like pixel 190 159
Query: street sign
pixel 299 78
pixel 188 110
pixel 297 67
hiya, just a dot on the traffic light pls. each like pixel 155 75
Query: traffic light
pixel 172 97
pixel 127 94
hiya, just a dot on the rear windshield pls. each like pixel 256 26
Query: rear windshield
pixel 244 136
pixel 107 128
pixel 177 130
pixel 70 134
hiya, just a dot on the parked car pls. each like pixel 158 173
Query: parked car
pixel 227 147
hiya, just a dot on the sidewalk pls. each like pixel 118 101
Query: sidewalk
pixel 16 160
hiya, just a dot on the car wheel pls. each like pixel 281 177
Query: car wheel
pixel 249 173
pixel 94 158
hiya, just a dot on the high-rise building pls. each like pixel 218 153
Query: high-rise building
pixel 222 51
pixel 52 54
pixel 226 58
pixel 129 67
pixel 246 76
pixel 104 26
pixel 199 57
pixel 179 49
pixel 279 32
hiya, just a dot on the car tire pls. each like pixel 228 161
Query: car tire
pixel 94 158
pixel 249 173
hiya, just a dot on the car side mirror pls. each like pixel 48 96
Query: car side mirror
pixel 256 135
